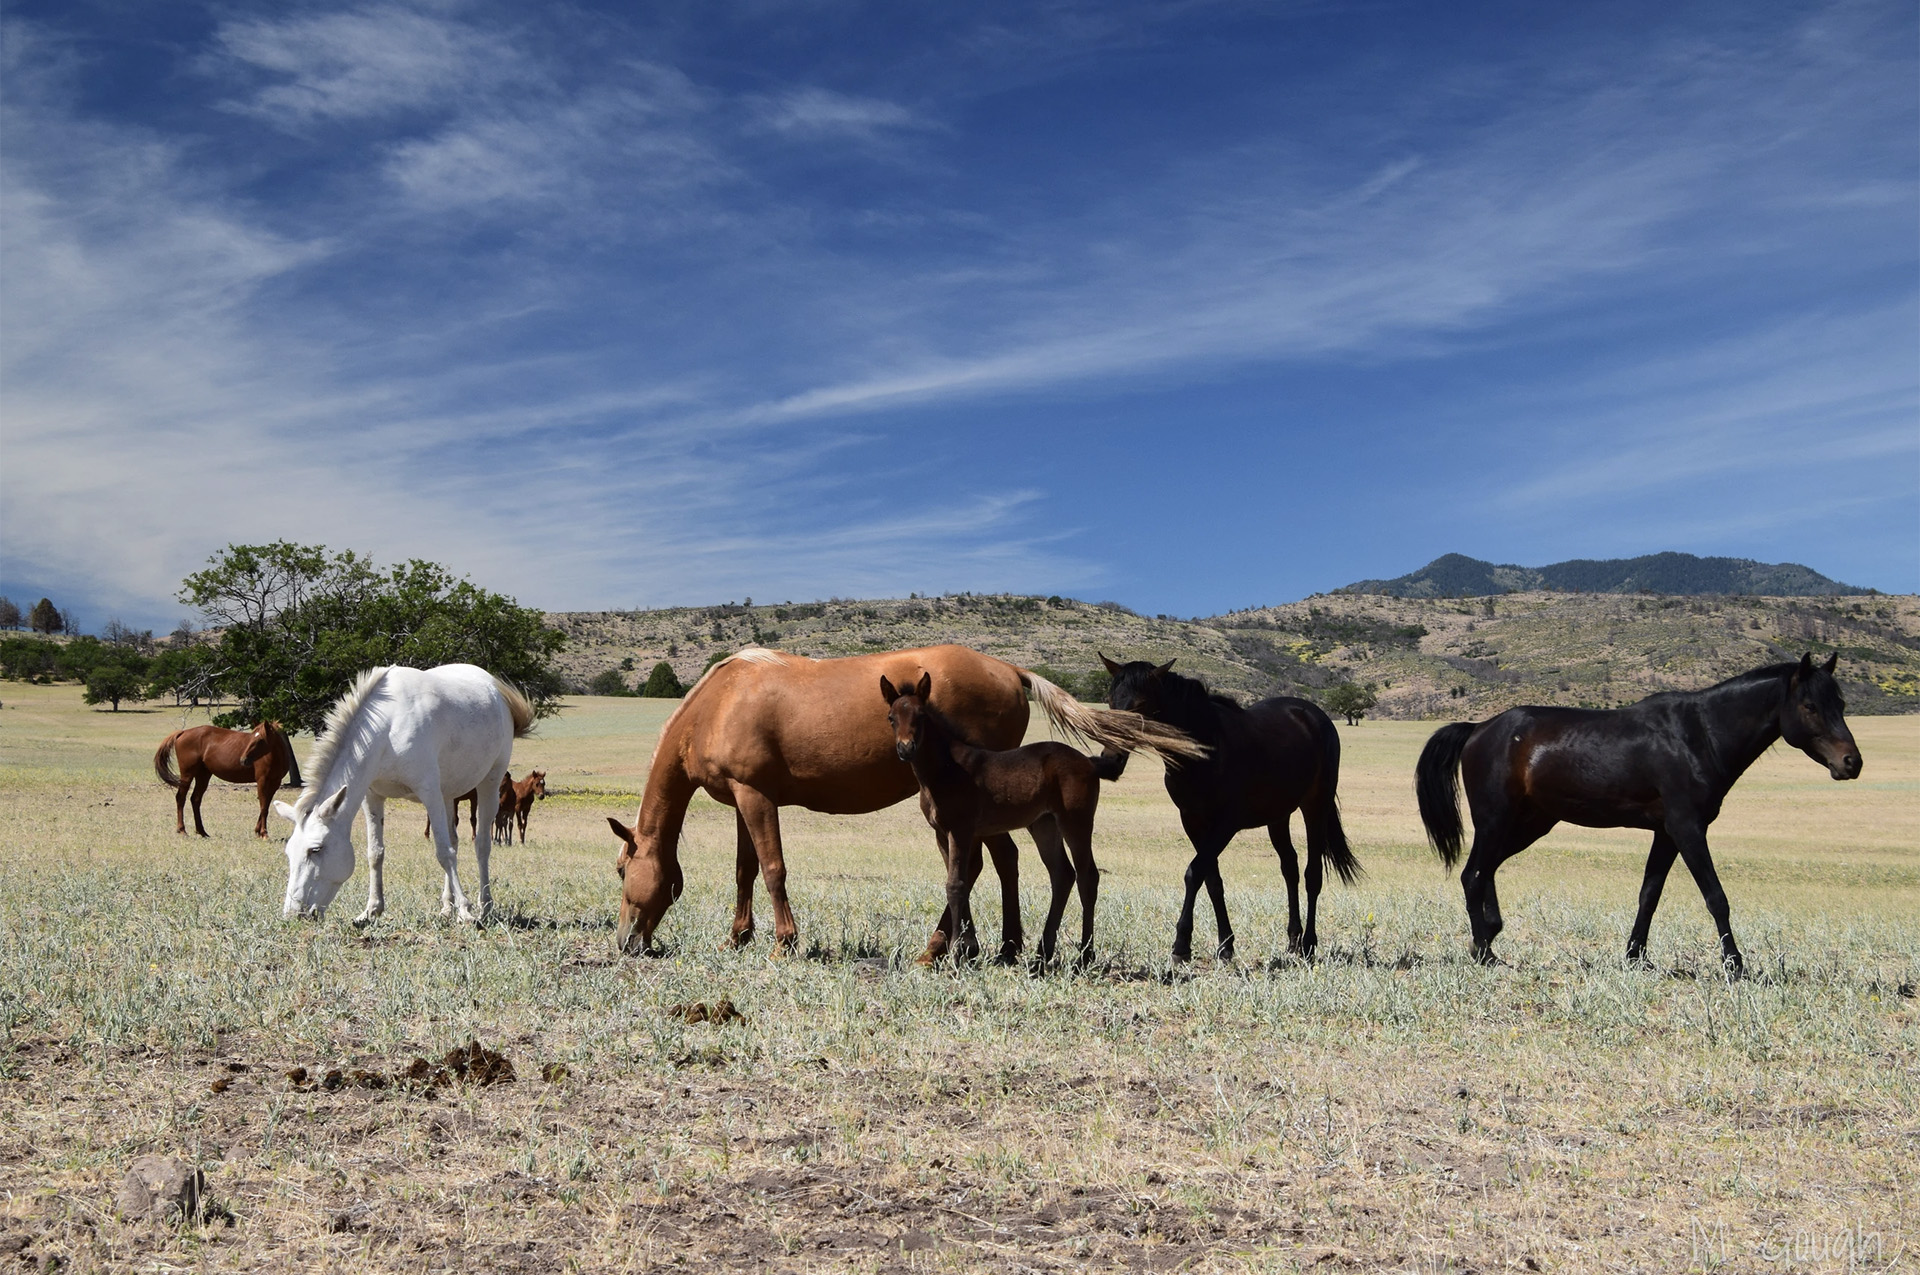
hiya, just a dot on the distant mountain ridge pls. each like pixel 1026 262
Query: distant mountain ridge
pixel 1455 575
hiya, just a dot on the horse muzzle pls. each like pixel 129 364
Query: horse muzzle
pixel 905 752
pixel 1847 767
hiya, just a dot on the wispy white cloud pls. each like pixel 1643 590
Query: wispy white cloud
pixel 818 112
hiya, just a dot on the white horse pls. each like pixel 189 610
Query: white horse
pixel 427 735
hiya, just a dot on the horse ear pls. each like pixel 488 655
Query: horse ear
pixel 926 686
pixel 886 689
pixel 1833 662
pixel 286 812
pixel 331 806
pixel 621 830
pixel 1113 670
pixel 1806 665
pixel 1163 668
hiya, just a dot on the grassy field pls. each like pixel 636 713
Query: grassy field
pixel 1391 1106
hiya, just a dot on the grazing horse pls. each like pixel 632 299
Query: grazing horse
pixel 763 729
pixel 529 790
pixel 261 757
pixel 969 793
pixel 1265 762
pixel 1664 764
pixel 424 734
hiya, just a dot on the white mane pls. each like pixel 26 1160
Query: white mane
pixel 751 655
pixel 334 736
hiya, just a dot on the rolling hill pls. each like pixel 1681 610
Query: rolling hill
pixel 1429 657
pixel 1455 575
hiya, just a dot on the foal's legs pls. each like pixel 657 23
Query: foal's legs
pixel 1006 866
pixel 1282 838
pixel 762 818
pixel 376 858
pixel 1078 826
pixel 1659 863
pixel 200 783
pixel 963 868
pixel 1053 853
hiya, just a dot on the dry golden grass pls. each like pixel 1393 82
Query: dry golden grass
pixel 1390 1107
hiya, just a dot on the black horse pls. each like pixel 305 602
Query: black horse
pixel 1264 762
pixel 1664 764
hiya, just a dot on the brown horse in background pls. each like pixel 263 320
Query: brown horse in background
pixel 763 729
pixel 502 817
pixel 261 756
pixel 518 801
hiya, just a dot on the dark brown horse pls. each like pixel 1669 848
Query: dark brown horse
pixel 522 796
pixel 763 729
pixel 1267 760
pixel 1664 764
pixel 968 794
pixel 261 757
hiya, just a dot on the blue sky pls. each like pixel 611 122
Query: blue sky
pixel 1193 306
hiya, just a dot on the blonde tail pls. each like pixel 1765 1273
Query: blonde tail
pixel 1110 728
pixel 516 705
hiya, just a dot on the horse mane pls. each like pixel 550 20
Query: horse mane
pixel 334 734
pixel 751 655
pixel 1192 700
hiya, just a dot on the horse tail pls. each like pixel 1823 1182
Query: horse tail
pixel 516 705
pixel 163 762
pixel 1109 764
pixel 1108 727
pixel 1436 782
pixel 293 762
pixel 1332 836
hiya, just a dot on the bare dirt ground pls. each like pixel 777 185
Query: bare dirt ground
pixel 1389 1107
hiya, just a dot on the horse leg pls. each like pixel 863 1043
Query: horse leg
pixel 746 866
pixel 180 792
pixel 376 858
pixel 1494 842
pixel 1217 893
pixel 1006 866
pixel 963 868
pixel 200 783
pixel 1692 839
pixel 1206 862
pixel 521 812
pixel 762 818
pixel 1047 836
pixel 446 848
pixel 266 783
pixel 1281 836
pixel 483 846
pixel 942 936
pixel 1659 863
pixel 1086 873
pixel 1311 940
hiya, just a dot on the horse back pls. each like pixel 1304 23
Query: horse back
pixel 1595 767
pixel 814 733
pixel 1267 759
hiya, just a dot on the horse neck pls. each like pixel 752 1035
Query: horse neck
pixel 1192 710
pixel 354 766
pixel 663 806
pixel 935 761
pixel 1743 721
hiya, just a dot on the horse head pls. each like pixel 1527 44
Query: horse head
pixel 1813 718
pixel 648 888
pixel 905 713
pixel 538 781
pixel 319 854
pixel 259 743
pixel 1138 687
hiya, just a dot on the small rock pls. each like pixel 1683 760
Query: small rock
pixel 160 1187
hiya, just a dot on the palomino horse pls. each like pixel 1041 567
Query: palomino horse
pixel 1664 764
pixel 969 793
pixel 529 790
pixel 261 757
pixel 763 729
pixel 1268 760
pixel 424 734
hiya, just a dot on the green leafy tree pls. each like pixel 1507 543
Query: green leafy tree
pixel 1352 700
pixel 118 675
pixel 9 614
pixel 27 659
pixel 300 622
pixel 609 682
pixel 662 684
pixel 74 660
pixel 46 618
pixel 189 672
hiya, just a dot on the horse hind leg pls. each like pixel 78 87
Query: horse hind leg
pixel 746 867
pixel 1053 854
pixel 1086 875
pixel 1281 835
pixel 1493 844
pixel 200 783
pixel 180 791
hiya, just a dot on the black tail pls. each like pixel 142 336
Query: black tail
pixel 1110 763
pixel 1332 838
pixel 1436 782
